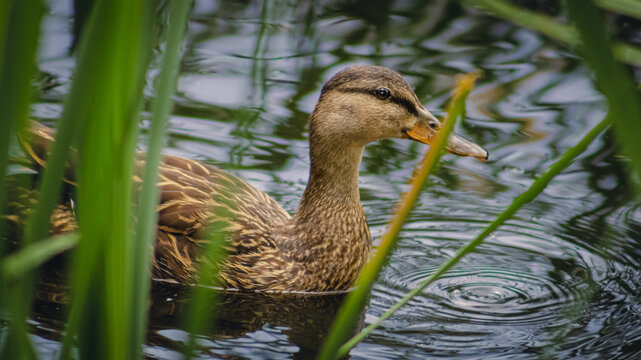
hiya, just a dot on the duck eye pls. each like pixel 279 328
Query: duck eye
pixel 383 93
pixel 432 124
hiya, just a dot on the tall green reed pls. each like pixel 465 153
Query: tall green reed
pixel 26 260
pixel 612 79
pixel 110 279
pixel 18 41
pixel 199 319
pixel 146 213
pixel 102 111
pixel 626 7
pixel 551 27
pixel 353 306
pixel 111 268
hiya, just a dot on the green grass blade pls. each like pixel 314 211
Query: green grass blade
pixel 199 319
pixel 352 307
pixel 548 26
pixel 7 130
pixel 615 82
pixel 536 188
pixel 104 101
pixel 626 7
pixel 33 255
pixel 81 11
pixel 8 123
pixel 147 215
pixel 5 12
pixel 543 24
pixel 20 33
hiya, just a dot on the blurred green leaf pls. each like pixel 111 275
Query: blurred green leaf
pixel 104 103
pixel 28 258
pixel 626 7
pixel 20 28
pixel 612 79
pixel 147 215
pixel 199 319
pixel 549 27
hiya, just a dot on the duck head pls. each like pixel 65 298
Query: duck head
pixel 362 104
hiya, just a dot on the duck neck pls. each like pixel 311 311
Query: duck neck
pixel 332 190
pixel 331 233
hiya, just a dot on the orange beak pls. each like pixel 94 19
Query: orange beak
pixel 426 128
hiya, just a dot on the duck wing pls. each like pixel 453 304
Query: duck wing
pixel 193 196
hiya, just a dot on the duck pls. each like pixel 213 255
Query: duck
pixel 325 244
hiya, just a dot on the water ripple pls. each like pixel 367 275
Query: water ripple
pixel 498 296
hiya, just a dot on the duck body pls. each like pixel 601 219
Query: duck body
pixel 321 249
pixel 268 249
pixel 326 243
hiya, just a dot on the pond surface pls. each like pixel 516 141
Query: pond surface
pixel 560 280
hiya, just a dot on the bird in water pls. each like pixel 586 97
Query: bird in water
pixel 326 243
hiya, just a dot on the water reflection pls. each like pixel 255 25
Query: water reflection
pixel 560 280
pixel 267 321
pixel 253 324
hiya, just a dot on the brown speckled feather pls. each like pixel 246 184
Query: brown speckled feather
pixel 265 249
pixel 192 196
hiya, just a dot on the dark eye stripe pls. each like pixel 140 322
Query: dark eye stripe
pixel 408 105
pixel 403 102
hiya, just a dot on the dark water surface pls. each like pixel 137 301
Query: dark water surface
pixel 560 280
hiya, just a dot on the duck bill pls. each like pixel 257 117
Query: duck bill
pixel 456 144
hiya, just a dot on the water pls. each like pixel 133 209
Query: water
pixel 560 280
